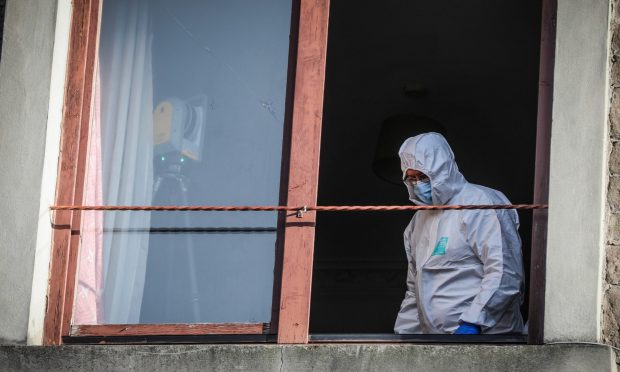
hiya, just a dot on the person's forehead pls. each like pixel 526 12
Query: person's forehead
pixel 413 172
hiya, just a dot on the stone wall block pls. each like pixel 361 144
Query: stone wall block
pixel 615 27
pixel 614 112
pixel 614 159
pixel 615 72
pixel 613 229
pixel 613 194
pixel 611 316
pixel 615 39
pixel 613 265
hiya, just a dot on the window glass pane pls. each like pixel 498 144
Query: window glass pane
pixel 188 109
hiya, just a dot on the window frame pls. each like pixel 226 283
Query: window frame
pixel 303 111
pixel 298 187
pixel 305 153
pixel 536 311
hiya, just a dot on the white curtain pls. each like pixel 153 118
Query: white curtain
pixel 119 171
pixel 127 153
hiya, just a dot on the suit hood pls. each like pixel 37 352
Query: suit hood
pixel 430 154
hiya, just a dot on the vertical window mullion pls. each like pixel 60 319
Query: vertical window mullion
pixel 295 293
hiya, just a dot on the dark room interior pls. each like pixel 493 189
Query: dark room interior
pixel 470 66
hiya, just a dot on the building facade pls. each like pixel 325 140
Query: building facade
pixel 581 296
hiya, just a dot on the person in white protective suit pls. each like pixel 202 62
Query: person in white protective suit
pixel 465 271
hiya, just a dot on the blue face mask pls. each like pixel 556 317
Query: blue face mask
pixel 422 191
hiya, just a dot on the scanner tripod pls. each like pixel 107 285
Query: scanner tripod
pixel 172 172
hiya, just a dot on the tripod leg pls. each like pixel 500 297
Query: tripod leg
pixel 191 261
pixel 163 249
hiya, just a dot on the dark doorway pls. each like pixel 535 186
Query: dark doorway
pixel 471 66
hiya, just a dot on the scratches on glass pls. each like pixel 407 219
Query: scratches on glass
pixel 267 105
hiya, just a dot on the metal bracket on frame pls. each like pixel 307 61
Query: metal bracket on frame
pixel 301 211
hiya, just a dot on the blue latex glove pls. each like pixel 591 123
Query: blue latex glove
pixel 467 329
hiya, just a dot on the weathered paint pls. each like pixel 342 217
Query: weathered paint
pixel 294 317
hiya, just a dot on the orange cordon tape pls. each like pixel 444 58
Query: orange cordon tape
pixel 303 209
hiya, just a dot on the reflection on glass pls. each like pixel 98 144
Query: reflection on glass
pixel 188 109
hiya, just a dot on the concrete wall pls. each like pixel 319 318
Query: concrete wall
pixel 342 358
pixel 24 95
pixel 578 172
pixel 611 301
pixel 50 171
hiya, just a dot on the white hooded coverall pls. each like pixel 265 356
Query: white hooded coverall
pixel 464 265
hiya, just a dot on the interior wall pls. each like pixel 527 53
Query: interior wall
pixel 479 62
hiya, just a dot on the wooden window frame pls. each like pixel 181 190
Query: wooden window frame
pixel 536 313
pixel 305 84
pixel 299 183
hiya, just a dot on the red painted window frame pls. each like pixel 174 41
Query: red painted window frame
pixel 299 186
pixel 303 119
